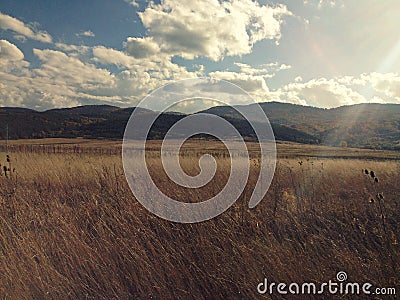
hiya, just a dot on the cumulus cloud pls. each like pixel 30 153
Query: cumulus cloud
pixel 9 52
pixel 212 28
pixel 56 64
pixel 133 3
pixel 252 79
pixel 76 74
pixel 298 79
pixel 388 84
pixel 344 90
pixel 160 67
pixel 324 3
pixel 11 57
pixel 255 85
pixel 60 80
pixel 87 33
pixel 141 47
pixel 72 48
pixel 321 92
pixel 250 83
pixel 64 78
pixel 23 30
pixel 108 56
pixel 383 86
pixel 81 52
pixel 265 70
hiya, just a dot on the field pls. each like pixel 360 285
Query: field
pixel 70 227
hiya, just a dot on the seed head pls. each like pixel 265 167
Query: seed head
pixel 376 179
pixel 372 173
pixel 366 172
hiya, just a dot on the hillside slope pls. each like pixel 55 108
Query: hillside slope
pixel 375 126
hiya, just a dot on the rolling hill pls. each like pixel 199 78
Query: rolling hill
pixel 374 126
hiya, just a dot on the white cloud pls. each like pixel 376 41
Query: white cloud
pixel 212 28
pixel 68 79
pixel 321 92
pixel 249 83
pixel 9 52
pixel 59 81
pixel 65 79
pixel 265 70
pixel 107 56
pixel 76 74
pixel 298 79
pixel 284 67
pixel 23 30
pixel 133 3
pixel 324 3
pixel 87 33
pixel 252 79
pixel 72 48
pixel 159 66
pixel 141 47
pixel 383 86
pixel 388 84
pixel 56 64
pixel 345 90
pixel 11 57
pixel 80 52
pixel 253 84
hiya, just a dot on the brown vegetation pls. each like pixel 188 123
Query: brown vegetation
pixel 71 228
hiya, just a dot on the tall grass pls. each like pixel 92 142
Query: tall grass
pixel 70 228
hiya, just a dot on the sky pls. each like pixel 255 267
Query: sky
pixel 324 53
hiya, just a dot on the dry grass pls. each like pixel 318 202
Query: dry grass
pixel 70 228
pixel 113 147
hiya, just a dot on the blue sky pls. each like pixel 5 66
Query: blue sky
pixel 322 53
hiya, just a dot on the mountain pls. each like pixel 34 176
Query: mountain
pixel 87 110
pixel 375 126
pixel 109 122
pixel 365 125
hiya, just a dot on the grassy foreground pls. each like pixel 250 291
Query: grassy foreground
pixel 70 228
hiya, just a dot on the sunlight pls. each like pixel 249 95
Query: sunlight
pixel 390 59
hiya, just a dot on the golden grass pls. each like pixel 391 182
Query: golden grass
pixel 70 228
pixel 113 147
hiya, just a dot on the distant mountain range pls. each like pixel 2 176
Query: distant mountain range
pixel 375 126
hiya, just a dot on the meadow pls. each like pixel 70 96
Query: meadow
pixel 70 227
